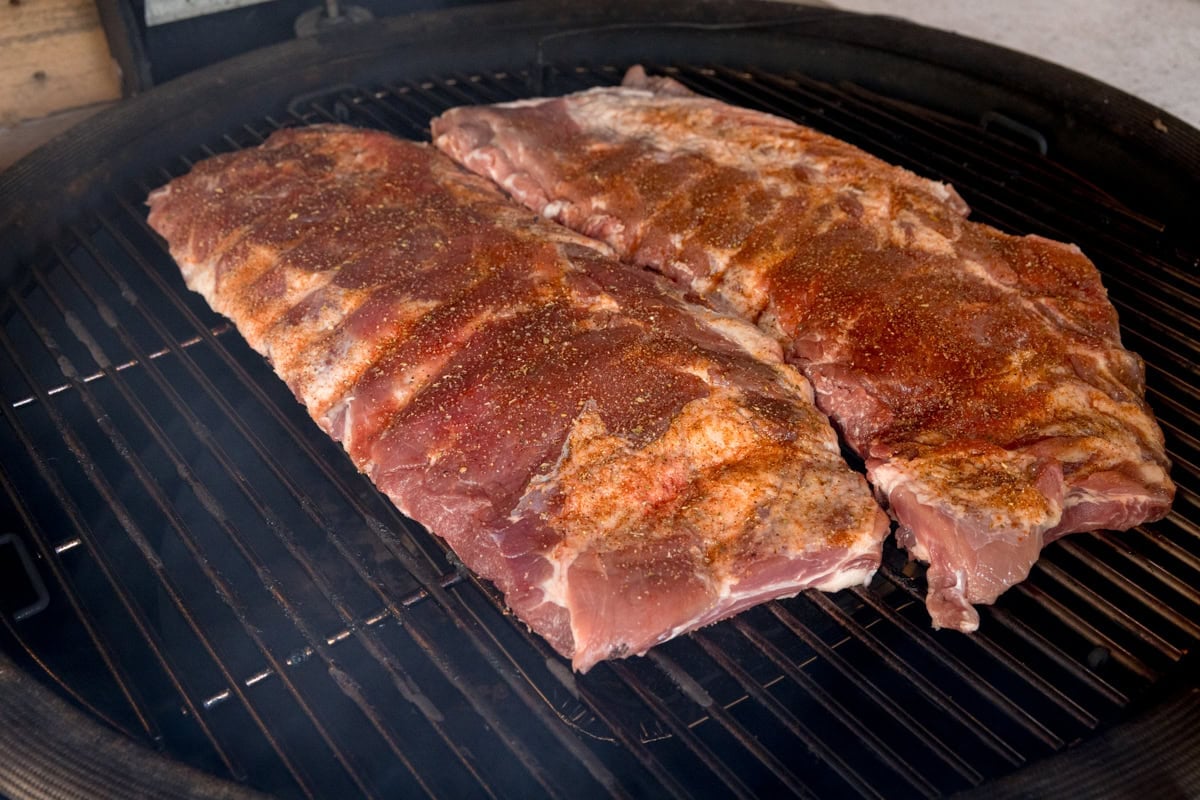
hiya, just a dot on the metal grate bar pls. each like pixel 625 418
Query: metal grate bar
pixel 132 697
pixel 1134 591
pixel 1091 596
pixel 496 90
pixel 977 682
pixel 918 783
pixel 1170 364
pixel 1180 439
pixel 222 586
pixel 680 730
pixel 416 98
pixel 697 694
pixel 945 702
pixel 1055 654
pixel 397 104
pixel 281 531
pixel 1071 620
pixel 124 365
pixel 131 529
pixel 998 653
pixel 87 538
pixel 1177 552
pixel 273 522
pixel 635 746
pixel 449 87
pixel 993 151
pixel 1183 349
pixel 940 750
pixel 366 105
pixel 341 635
pixel 1084 628
pixel 484 87
pixel 1183 445
pixel 509 672
pixel 1035 640
pixel 1185 527
pixel 429 580
pixel 212 505
pixel 794 726
pixel 637 742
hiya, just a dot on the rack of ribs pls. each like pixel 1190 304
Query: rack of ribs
pixel 980 376
pixel 624 464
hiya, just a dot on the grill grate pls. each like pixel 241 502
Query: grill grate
pixel 237 596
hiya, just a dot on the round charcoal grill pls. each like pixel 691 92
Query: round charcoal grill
pixel 190 566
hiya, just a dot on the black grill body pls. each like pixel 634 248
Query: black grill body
pixel 195 567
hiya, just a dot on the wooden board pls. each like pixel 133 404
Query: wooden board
pixel 53 56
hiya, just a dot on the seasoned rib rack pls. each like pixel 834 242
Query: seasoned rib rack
pixel 979 375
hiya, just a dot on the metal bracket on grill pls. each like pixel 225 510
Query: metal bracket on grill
pixel 1009 128
pixel 35 580
pixel 300 104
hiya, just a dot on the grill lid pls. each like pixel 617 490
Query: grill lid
pixel 225 587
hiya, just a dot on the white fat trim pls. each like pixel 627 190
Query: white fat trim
pixel 554 588
pixel 924 237
pixel 346 405
pixel 919 551
pixel 844 579
pixel 977 270
pixel 201 278
pixel 602 303
pixel 554 209
pixel 533 102
pixel 742 333
pixel 942 191
pixel 510 182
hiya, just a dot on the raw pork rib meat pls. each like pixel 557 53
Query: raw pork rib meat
pixel 980 375
pixel 625 465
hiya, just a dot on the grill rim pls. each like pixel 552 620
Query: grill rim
pixel 163 107
pixel 38 727
pixel 220 96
